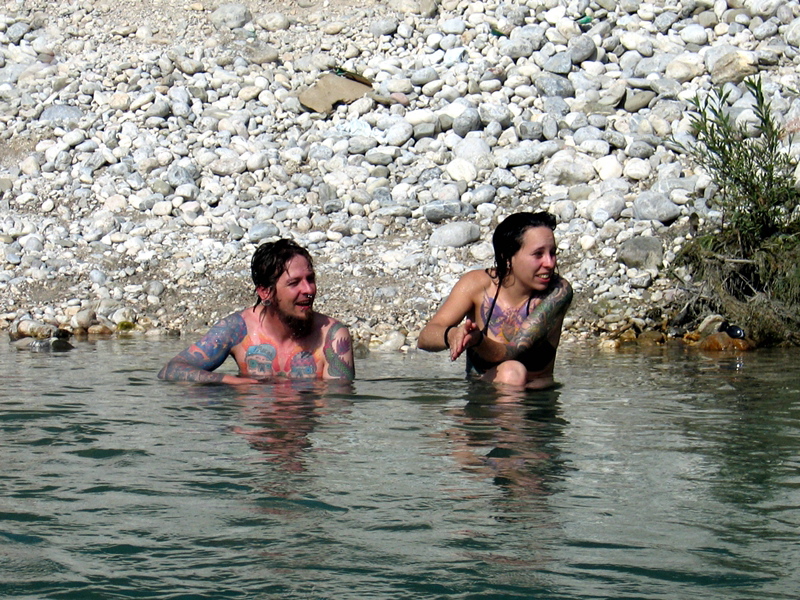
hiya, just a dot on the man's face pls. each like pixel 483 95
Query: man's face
pixel 294 295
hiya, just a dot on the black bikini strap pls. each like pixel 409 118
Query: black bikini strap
pixel 491 310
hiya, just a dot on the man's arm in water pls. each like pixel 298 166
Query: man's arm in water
pixel 549 313
pixel 338 352
pixel 199 360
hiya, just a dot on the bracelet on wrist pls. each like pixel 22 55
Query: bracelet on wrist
pixel 446 331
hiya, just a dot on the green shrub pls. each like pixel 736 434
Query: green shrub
pixel 749 270
pixel 778 262
pixel 755 174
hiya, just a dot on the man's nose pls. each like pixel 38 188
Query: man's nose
pixel 309 287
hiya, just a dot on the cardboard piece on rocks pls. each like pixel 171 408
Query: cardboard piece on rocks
pixel 330 89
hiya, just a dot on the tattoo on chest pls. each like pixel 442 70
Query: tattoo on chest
pixel 542 319
pixel 302 365
pixel 503 323
pixel 263 361
pixel 260 360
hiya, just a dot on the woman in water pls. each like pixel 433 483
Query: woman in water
pixel 507 319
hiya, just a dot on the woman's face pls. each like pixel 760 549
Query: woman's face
pixel 535 262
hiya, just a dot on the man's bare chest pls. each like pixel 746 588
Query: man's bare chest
pixel 267 359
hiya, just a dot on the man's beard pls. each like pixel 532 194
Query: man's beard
pixel 299 326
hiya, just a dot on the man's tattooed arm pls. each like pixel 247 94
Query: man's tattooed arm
pixel 338 352
pixel 535 327
pixel 197 362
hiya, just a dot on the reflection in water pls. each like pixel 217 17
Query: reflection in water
pixel 275 418
pixel 510 436
pixel 506 440
pixel 279 417
pixel 748 433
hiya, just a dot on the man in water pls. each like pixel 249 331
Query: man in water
pixel 280 337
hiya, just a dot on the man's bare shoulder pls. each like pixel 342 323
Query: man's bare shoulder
pixel 337 349
pixel 324 322
pixel 234 320
pixel 236 323
pixel 251 312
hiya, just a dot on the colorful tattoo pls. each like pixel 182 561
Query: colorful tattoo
pixel 541 320
pixel 338 352
pixel 504 324
pixel 197 362
pixel 260 361
pixel 302 365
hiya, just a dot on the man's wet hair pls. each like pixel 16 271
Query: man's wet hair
pixel 269 262
pixel 508 237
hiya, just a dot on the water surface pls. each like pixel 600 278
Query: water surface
pixel 647 474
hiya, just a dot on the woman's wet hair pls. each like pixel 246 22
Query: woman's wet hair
pixel 269 262
pixel 508 237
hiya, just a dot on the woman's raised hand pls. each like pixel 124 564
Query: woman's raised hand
pixel 462 337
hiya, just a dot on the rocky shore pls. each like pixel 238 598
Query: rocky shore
pixel 147 147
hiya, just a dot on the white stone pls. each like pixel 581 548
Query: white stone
pixel 393 342
pixel 685 67
pixel 116 203
pixel 29 165
pixel 694 34
pixel 637 169
pixel 482 252
pixel 461 169
pixel 608 167
pixel 587 242
pixel 162 208
pixel 423 115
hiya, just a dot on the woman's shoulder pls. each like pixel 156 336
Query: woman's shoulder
pixel 561 290
pixel 482 275
pixel 478 279
pixel 561 282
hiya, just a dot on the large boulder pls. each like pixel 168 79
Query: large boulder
pixel 642 252
pixel 232 16
pixel 455 235
pixel 653 206
pixel 424 8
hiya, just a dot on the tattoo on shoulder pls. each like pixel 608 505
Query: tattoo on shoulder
pixel 338 352
pixel 216 344
pixel 197 362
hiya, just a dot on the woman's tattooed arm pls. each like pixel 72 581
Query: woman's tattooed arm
pixel 197 362
pixel 338 352
pixel 542 320
pixel 535 327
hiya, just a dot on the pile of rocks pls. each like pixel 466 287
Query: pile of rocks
pixel 147 149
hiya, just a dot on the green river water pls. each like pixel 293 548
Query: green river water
pixel 648 474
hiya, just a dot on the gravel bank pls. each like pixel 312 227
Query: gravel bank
pixel 146 149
